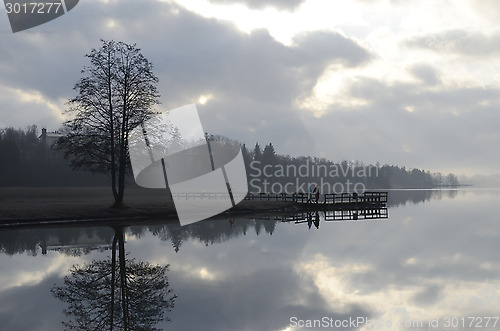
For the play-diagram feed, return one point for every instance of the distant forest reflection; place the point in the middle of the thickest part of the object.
(402, 197)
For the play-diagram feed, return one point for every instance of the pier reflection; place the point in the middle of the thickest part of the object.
(77, 241)
(315, 217)
(338, 215)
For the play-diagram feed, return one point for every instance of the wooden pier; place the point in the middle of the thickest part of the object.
(338, 199)
(349, 198)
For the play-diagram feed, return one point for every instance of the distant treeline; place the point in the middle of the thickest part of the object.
(268, 171)
(26, 161)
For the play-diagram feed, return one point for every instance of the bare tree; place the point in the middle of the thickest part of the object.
(115, 94)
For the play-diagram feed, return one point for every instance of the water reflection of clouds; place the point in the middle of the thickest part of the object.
(263, 299)
(428, 260)
(25, 282)
(419, 299)
(441, 263)
(31, 307)
(245, 284)
(32, 270)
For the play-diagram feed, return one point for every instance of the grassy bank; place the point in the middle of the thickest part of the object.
(24, 204)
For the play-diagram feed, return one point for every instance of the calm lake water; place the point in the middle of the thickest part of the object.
(433, 264)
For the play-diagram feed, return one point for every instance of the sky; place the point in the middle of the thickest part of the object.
(411, 83)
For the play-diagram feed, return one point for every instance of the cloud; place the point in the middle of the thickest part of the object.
(447, 122)
(426, 73)
(23, 107)
(325, 46)
(459, 42)
(395, 104)
(289, 5)
(489, 9)
(253, 79)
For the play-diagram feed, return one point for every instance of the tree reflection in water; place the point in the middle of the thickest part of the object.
(116, 295)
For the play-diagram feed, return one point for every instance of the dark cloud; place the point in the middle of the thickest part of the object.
(446, 124)
(256, 82)
(460, 42)
(257, 4)
(254, 79)
(425, 73)
(324, 46)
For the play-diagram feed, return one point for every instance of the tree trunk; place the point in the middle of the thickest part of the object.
(113, 279)
(112, 134)
(123, 144)
(123, 278)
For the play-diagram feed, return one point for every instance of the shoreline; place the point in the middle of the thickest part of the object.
(29, 206)
(43, 206)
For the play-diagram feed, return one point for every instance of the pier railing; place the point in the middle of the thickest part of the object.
(295, 197)
(333, 198)
(337, 215)
(366, 197)
(359, 214)
(205, 195)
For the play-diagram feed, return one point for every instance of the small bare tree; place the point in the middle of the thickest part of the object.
(115, 94)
